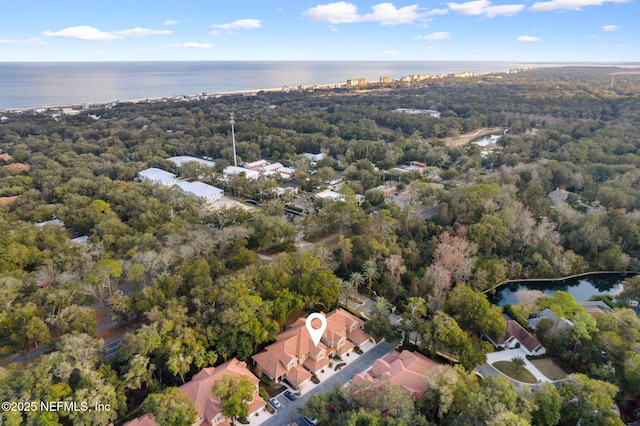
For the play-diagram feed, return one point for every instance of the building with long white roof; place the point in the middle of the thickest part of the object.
(207, 192)
(183, 159)
(233, 170)
(157, 176)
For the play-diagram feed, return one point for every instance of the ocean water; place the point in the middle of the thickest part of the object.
(25, 85)
(45, 84)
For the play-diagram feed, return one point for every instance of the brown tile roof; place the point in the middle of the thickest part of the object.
(358, 336)
(19, 166)
(294, 343)
(198, 389)
(516, 331)
(146, 420)
(8, 200)
(406, 369)
(6, 157)
(298, 374)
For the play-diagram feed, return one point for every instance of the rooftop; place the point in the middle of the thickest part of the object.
(406, 369)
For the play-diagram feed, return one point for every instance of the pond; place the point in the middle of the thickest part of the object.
(581, 288)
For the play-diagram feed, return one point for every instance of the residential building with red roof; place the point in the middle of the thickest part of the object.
(406, 369)
(18, 166)
(8, 200)
(146, 420)
(208, 407)
(294, 357)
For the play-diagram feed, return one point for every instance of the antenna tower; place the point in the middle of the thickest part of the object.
(233, 136)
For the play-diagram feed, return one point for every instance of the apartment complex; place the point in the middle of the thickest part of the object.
(293, 358)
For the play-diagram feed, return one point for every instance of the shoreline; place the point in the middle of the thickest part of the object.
(568, 277)
(432, 69)
(168, 98)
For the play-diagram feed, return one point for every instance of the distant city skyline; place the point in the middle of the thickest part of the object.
(142, 30)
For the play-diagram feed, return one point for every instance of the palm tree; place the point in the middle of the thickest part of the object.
(518, 362)
(345, 288)
(356, 279)
(370, 272)
(381, 308)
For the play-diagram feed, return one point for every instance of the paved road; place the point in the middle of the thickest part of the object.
(288, 412)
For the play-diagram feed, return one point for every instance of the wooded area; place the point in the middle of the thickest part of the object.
(202, 294)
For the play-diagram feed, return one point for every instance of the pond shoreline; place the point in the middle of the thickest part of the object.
(556, 280)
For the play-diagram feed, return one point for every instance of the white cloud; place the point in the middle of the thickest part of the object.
(191, 45)
(33, 40)
(569, 4)
(484, 7)
(528, 38)
(390, 52)
(434, 12)
(388, 14)
(334, 13)
(439, 35)
(476, 7)
(504, 10)
(611, 27)
(239, 24)
(85, 32)
(347, 13)
(141, 32)
(171, 22)
(82, 32)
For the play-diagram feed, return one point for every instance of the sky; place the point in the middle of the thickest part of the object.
(160, 30)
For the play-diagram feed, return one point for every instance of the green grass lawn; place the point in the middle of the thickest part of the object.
(549, 368)
(509, 369)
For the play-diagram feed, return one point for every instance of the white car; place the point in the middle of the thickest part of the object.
(275, 403)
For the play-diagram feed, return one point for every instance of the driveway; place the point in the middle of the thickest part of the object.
(288, 412)
(488, 370)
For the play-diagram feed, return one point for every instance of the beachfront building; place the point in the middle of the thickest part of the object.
(356, 81)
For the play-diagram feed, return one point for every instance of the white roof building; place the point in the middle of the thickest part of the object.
(314, 157)
(182, 159)
(256, 164)
(202, 190)
(286, 172)
(271, 167)
(157, 176)
(233, 170)
(330, 195)
(50, 222)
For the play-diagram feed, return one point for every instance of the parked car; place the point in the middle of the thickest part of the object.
(275, 403)
(310, 422)
(290, 395)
